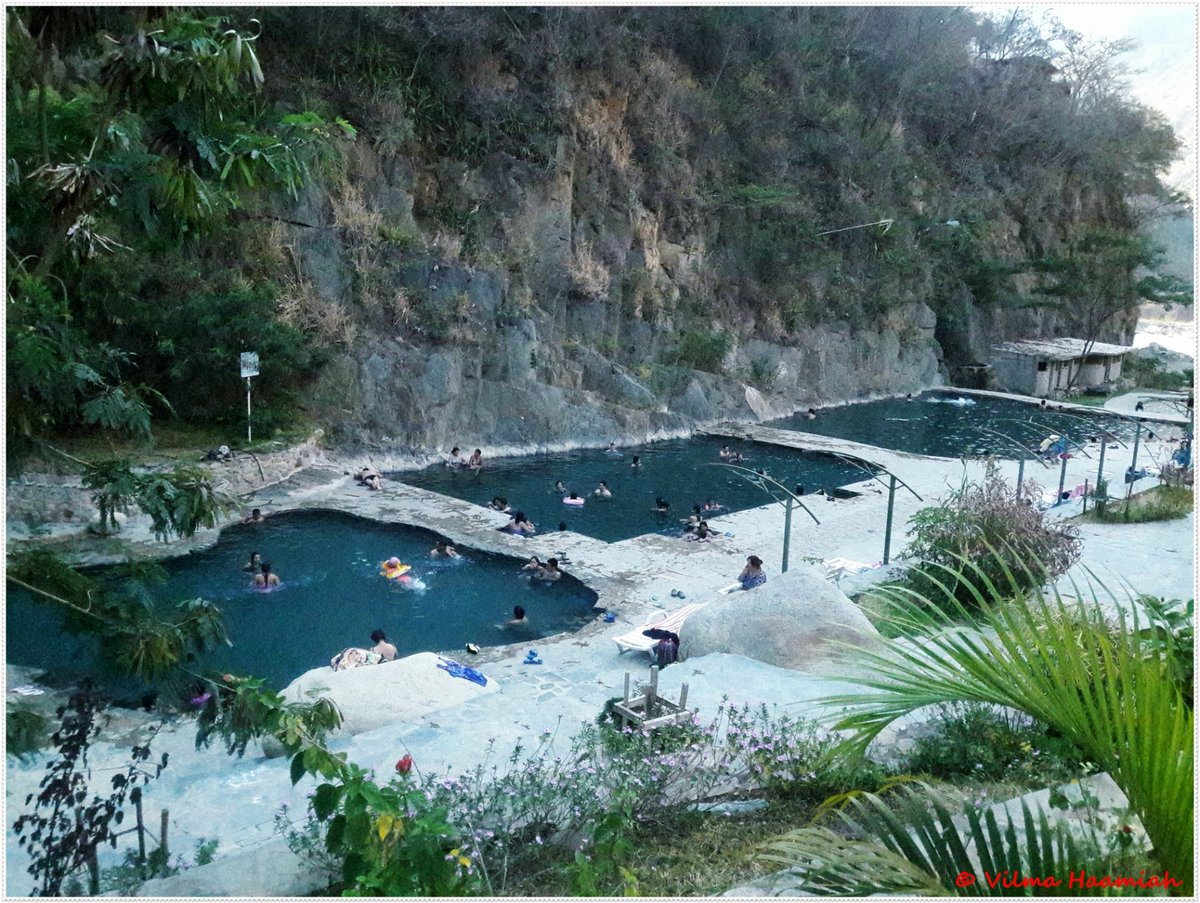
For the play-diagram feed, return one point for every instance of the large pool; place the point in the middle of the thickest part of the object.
(678, 471)
(331, 596)
(951, 426)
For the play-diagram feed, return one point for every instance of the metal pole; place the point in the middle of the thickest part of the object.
(887, 529)
(1062, 479)
(787, 533)
(249, 438)
(1020, 475)
(1137, 436)
(1100, 469)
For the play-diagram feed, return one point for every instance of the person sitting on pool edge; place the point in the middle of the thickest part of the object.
(602, 491)
(549, 571)
(382, 646)
(444, 549)
(519, 620)
(266, 578)
(752, 574)
(255, 562)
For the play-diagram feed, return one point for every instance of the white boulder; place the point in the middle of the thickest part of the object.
(797, 620)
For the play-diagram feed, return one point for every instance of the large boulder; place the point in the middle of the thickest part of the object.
(797, 620)
(375, 695)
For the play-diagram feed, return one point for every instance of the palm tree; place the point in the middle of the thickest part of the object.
(1069, 663)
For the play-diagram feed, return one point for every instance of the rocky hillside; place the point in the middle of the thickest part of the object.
(561, 225)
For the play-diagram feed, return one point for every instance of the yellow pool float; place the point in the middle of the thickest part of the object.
(393, 569)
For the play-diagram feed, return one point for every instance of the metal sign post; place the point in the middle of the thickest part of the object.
(249, 368)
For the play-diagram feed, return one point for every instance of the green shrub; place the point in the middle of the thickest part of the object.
(1158, 503)
(1171, 636)
(24, 732)
(984, 533)
(983, 743)
(1149, 374)
(703, 349)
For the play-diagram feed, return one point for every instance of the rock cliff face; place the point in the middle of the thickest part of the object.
(560, 226)
(480, 356)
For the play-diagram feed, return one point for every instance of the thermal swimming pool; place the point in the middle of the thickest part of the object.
(332, 596)
(680, 471)
(951, 426)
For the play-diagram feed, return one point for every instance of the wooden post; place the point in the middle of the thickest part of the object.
(141, 833)
(626, 686)
(93, 865)
(683, 697)
(652, 693)
(162, 840)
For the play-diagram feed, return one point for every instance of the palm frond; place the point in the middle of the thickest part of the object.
(1068, 665)
(920, 847)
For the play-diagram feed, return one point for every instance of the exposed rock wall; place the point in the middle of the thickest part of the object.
(566, 346)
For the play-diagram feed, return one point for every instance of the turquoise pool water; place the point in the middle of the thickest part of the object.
(332, 596)
(933, 424)
(679, 471)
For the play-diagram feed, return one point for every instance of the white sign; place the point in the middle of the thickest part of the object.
(249, 364)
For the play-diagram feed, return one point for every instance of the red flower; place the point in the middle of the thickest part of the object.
(404, 766)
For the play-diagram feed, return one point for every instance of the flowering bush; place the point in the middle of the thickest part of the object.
(483, 830)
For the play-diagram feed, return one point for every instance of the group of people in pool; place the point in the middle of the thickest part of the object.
(264, 577)
(455, 459)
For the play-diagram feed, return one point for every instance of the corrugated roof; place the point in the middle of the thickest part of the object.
(1063, 349)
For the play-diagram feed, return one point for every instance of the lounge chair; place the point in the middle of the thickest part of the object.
(662, 620)
(837, 568)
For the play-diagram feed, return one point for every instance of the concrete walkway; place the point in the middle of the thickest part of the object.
(211, 795)
(1166, 407)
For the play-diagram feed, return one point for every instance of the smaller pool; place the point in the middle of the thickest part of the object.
(950, 426)
(678, 470)
(332, 596)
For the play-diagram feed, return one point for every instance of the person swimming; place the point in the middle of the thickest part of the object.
(612, 449)
(661, 505)
(636, 462)
(602, 491)
(519, 525)
(549, 572)
(254, 564)
(559, 486)
(265, 579)
(444, 549)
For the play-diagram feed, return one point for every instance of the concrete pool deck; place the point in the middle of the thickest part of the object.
(236, 800)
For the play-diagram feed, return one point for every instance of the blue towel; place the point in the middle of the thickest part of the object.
(458, 669)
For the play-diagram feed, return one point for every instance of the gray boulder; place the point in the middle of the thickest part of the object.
(1164, 359)
(797, 620)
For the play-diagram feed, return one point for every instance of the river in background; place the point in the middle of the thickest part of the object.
(1174, 336)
